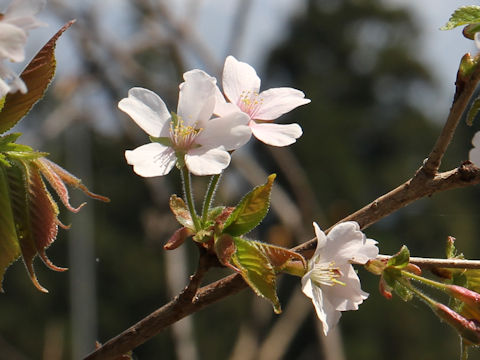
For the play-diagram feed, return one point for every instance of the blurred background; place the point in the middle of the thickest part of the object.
(381, 78)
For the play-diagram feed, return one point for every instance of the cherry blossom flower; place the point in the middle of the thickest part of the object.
(474, 154)
(241, 87)
(18, 18)
(189, 137)
(331, 282)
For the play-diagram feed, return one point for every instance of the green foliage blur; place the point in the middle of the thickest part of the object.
(363, 136)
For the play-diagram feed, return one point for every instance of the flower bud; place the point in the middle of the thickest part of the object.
(469, 330)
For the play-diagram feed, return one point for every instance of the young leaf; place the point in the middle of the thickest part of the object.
(28, 213)
(180, 210)
(251, 210)
(9, 245)
(464, 15)
(278, 257)
(256, 270)
(37, 76)
(400, 259)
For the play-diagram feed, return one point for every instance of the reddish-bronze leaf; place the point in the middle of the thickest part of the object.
(37, 76)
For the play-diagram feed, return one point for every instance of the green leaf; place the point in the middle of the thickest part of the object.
(9, 245)
(256, 270)
(400, 259)
(473, 111)
(470, 30)
(37, 76)
(464, 15)
(251, 210)
(180, 210)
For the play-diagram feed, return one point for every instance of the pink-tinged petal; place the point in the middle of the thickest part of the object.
(278, 101)
(223, 108)
(202, 161)
(147, 110)
(12, 42)
(196, 100)
(152, 159)
(230, 132)
(276, 134)
(474, 154)
(239, 78)
(21, 13)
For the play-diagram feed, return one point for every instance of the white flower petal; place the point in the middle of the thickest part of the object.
(477, 39)
(474, 154)
(276, 134)
(230, 132)
(278, 101)
(11, 82)
(203, 161)
(147, 110)
(337, 286)
(12, 42)
(223, 108)
(346, 243)
(152, 159)
(196, 100)
(349, 296)
(238, 78)
(321, 241)
(21, 13)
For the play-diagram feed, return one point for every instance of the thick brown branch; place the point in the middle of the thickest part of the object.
(418, 187)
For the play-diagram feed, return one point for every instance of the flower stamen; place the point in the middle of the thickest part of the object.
(326, 274)
(183, 136)
(249, 102)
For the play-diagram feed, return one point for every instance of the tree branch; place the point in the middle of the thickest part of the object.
(183, 305)
(465, 88)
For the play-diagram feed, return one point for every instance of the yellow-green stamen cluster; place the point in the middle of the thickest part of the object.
(326, 275)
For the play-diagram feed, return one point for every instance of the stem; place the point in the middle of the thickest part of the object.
(429, 263)
(212, 187)
(189, 197)
(432, 283)
(417, 292)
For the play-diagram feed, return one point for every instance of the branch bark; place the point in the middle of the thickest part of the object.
(425, 182)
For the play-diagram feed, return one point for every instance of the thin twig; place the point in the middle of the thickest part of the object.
(465, 88)
(430, 263)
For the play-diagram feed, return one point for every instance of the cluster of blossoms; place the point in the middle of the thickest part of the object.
(15, 22)
(207, 126)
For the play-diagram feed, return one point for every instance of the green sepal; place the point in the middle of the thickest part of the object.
(451, 251)
(166, 141)
(256, 269)
(391, 276)
(251, 210)
(400, 260)
(464, 15)
(473, 111)
(180, 210)
(37, 76)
